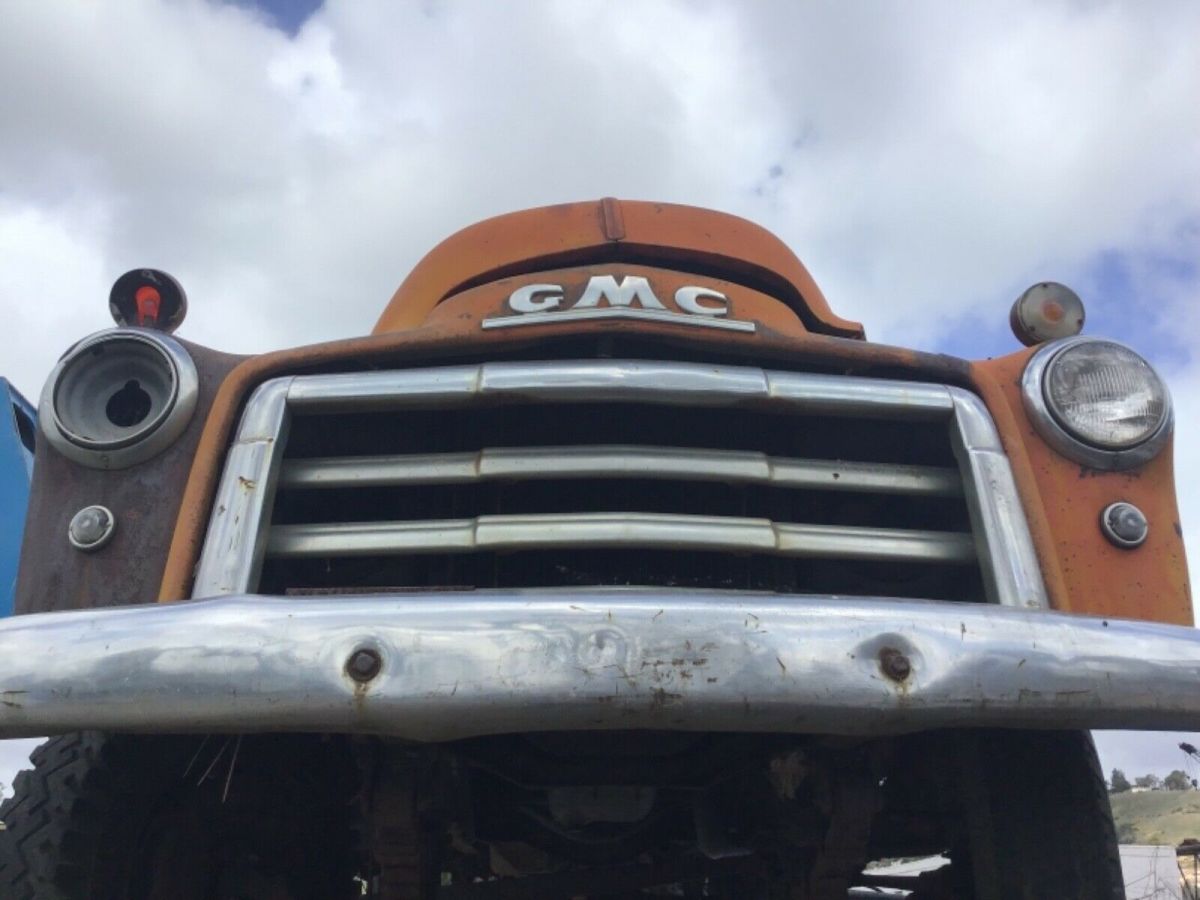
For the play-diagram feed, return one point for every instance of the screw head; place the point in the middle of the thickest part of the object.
(1124, 525)
(895, 665)
(364, 664)
(91, 528)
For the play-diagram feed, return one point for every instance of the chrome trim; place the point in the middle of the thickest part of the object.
(602, 530)
(1036, 406)
(1005, 545)
(1002, 536)
(150, 440)
(236, 539)
(459, 665)
(617, 312)
(617, 461)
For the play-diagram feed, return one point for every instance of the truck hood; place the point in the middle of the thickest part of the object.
(682, 238)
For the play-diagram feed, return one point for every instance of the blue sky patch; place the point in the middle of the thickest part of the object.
(288, 16)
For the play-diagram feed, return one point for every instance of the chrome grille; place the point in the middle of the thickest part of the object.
(618, 473)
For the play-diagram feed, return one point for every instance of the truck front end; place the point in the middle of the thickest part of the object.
(611, 563)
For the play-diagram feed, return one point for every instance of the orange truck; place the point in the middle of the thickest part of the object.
(611, 564)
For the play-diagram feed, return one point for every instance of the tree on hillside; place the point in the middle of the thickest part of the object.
(1177, 781)
(1119, 783)
(1153, 782)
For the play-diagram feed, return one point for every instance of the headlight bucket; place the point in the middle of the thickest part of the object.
(1097, 402)
(119, 397)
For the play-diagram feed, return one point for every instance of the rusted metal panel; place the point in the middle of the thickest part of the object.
(1063, 500)
(144, 500)
(613, 231)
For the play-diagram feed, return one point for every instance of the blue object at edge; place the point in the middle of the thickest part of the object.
(18, 425)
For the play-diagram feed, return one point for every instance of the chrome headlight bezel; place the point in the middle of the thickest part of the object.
(1070, 445)
(151, 436)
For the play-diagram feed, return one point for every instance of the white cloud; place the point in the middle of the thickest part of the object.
(14, 756)
(928, 161)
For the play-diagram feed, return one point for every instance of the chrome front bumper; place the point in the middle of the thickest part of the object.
(462, 665)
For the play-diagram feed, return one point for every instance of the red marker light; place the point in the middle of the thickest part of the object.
(147, 298)
(148, 301)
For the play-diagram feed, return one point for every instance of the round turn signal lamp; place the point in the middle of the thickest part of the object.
(1046, 312)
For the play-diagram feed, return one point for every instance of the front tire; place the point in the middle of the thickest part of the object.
(1039, 821)
(104, 817)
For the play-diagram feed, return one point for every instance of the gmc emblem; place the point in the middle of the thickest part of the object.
(606, 298)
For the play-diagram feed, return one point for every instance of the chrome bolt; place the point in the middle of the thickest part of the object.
(895, 665)
(364, 664)
(1124, 525)
(91, 528)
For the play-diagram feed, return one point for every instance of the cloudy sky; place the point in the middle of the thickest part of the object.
(290, 161)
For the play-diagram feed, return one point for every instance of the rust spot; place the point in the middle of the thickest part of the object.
(787, 773)
(660, 698)
(894, 664)
(613, 222)
(360, 697)
(247, 484)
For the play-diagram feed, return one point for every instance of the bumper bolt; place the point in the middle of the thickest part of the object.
(1124, 525)
(91, 528)
(364, 664)
(895, 665)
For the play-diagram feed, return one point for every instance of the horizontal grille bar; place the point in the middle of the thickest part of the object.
(605, 530)
(681, 464)
(666, 383)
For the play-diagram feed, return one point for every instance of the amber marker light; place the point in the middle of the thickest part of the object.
(1046, 312)
(148, 298)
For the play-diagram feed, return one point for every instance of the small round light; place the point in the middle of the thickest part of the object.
(118, 398)
(1124, 525)
(91, 528)
(1047, 311)
(1098, 402)
(148, 298)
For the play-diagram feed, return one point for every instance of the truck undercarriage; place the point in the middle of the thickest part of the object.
(564, 815)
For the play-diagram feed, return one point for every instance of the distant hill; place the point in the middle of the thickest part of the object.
(1156, 817)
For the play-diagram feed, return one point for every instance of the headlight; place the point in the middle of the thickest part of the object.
(1097, 402)
(118, 398)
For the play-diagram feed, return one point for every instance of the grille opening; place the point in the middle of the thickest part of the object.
(557, 568)
(698, 498)
(356, 441)
(577, 424)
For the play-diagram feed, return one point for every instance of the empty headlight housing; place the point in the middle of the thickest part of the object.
(1097, 402)
(118, 398)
